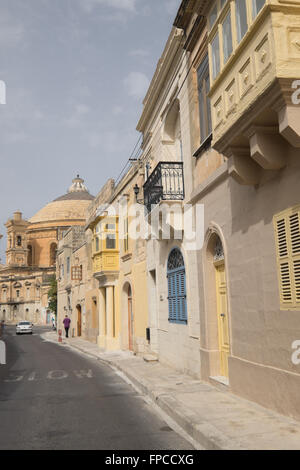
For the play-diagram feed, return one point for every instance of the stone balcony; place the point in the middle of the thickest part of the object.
(255, 110)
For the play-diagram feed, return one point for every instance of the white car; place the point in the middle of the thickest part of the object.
(24, 327)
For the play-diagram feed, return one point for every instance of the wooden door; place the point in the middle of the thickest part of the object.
(79, 321)
(223, 323)
(130, 320)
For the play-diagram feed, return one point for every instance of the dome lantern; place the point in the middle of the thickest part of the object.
(77, 185)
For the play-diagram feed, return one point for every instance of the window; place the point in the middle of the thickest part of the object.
(110, 242)
(29, 256)
(213, 16)
(204, 102)
(257, 6)
(227, 37)
(18, 293)
(287, 234)
(53, 249)
(215, 48)
(176, 287)
(27, 293)
(19, 240)
(241, 19)
(126, 237)
(97, 244)
(224, 35)
(76, 273)
(68, 265)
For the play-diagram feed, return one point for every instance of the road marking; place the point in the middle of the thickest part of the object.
(34, 376)
(16, 378)
(80, 374)
(57, 375)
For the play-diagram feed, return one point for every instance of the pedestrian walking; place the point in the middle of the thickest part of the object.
(2, 324)
(66, 323)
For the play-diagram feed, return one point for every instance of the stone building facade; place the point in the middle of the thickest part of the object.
(228, 94)
(31, 255)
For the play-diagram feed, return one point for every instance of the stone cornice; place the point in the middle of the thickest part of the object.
(162, 69)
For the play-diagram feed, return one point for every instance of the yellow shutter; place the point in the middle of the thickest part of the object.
(287, 232)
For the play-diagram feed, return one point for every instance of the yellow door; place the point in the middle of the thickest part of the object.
(223, 324)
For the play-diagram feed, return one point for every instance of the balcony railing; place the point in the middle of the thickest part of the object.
(166, 183)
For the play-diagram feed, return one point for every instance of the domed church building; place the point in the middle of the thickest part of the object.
(31, 255)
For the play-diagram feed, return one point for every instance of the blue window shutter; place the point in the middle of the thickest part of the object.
(177, 296)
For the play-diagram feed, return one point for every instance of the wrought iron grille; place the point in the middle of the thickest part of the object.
(165, 183)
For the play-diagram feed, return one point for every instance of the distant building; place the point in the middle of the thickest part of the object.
(31, 255)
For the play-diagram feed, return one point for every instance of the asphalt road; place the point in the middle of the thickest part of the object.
(53, 398)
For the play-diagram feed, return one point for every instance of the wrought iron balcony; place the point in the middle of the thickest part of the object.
(166, 183)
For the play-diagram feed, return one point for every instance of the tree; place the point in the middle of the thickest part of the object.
(52, 295)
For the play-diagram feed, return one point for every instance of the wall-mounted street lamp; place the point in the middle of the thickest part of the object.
(136, 190)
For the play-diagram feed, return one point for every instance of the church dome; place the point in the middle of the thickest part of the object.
(70, 206)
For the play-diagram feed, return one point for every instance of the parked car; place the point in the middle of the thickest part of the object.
(24, 327)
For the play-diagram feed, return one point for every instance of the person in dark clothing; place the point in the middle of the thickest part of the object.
(66, 323)
(2, 324)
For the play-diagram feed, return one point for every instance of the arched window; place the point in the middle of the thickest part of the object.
(176, 287)
(218, 251)
(29, 256)
(53, 249)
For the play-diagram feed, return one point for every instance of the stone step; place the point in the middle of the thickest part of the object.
(150, 358)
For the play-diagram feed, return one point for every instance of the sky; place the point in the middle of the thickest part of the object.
(76, 73)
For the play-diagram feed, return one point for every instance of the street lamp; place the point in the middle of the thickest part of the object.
(136, 190)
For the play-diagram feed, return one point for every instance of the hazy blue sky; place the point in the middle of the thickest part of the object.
(76, 73)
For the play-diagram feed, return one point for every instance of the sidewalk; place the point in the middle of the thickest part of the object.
(213, 418)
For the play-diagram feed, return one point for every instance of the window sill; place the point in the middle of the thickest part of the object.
(206, 144)
(178, 322)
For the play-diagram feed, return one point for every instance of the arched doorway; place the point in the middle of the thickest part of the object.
(79, 320)
(221, 305)
(130, 319)
(177, 287)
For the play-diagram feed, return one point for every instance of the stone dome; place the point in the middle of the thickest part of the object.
(70, 206)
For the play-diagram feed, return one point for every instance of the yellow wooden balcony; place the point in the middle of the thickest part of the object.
(106, 261)
(254, 54)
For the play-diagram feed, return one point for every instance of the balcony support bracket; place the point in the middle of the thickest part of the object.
(289, 124)
(241, 166)
(267, 147)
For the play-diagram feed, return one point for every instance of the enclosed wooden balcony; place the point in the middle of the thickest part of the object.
(106, 262)
(106, 247)
(254, 53)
